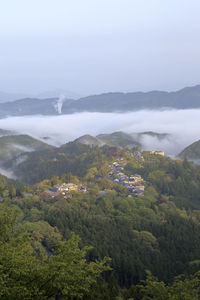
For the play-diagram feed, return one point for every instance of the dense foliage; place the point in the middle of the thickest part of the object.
(191, 152)
(159, 231)
(65, 274)
(72, 157)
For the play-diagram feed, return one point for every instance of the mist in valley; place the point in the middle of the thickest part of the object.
(182, 127)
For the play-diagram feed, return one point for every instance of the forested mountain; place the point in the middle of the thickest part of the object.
(116, 139)
(90, 140)
(4, 132)
(119, 102)
(32, 160)
(14, 149)
(159, 231)
(192, 152)
(111, 102)
(121, 139)
(11, 146)
(71, 157)
(28, 106)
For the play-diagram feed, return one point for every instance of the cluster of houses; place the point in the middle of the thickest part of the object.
(138, 156)
(153, 152)
(134, 183)
(65, 189)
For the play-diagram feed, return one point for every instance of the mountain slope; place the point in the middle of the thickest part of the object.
(28, 106)
(72, 158)
(121, 139)
(89, 140)
(4, 132)
(111, 102)
(192, 152)
(121, 102)
(13, 145)
(116, 139)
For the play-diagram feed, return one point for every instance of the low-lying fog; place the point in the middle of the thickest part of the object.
(183, 125)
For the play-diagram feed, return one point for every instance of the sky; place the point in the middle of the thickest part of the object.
(96, 46)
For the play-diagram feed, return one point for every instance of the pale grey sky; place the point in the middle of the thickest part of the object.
(94, 46)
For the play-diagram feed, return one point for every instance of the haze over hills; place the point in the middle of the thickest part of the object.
(6, 97)
(22, 154)
(117, 139)
(4, 132)
(182, 125)
(192, 152)
(186, 98)
(100, 192)
(56, 94)
(120, 139)
(13, 146)
(151, 224)
(10, 97)
(19, 154)
(183, 99)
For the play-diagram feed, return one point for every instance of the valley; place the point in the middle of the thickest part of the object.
(99, 150)
(131, 205)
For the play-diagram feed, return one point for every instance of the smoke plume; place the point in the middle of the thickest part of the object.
(59, 103)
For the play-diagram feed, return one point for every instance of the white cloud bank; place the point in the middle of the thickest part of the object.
(184, 125)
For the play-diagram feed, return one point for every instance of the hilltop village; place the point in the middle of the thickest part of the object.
(133, 183)
(65, 189)
(115, 172)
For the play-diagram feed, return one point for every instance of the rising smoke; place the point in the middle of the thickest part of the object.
(59, 103)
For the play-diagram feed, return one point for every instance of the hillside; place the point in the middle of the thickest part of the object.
(116, 139)
(158, 230)
(72, 158)
(121, 139)
(28, 106)
(12, 146)
(88, 140)
(192, 152)
(42, 161)
(185, 98)
(111, 102)
(4, 132)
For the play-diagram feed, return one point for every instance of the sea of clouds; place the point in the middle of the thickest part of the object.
(182, 125)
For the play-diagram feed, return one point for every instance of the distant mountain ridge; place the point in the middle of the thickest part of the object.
(6, 97)
(120, 139)
(187, 98)
(58, 92)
